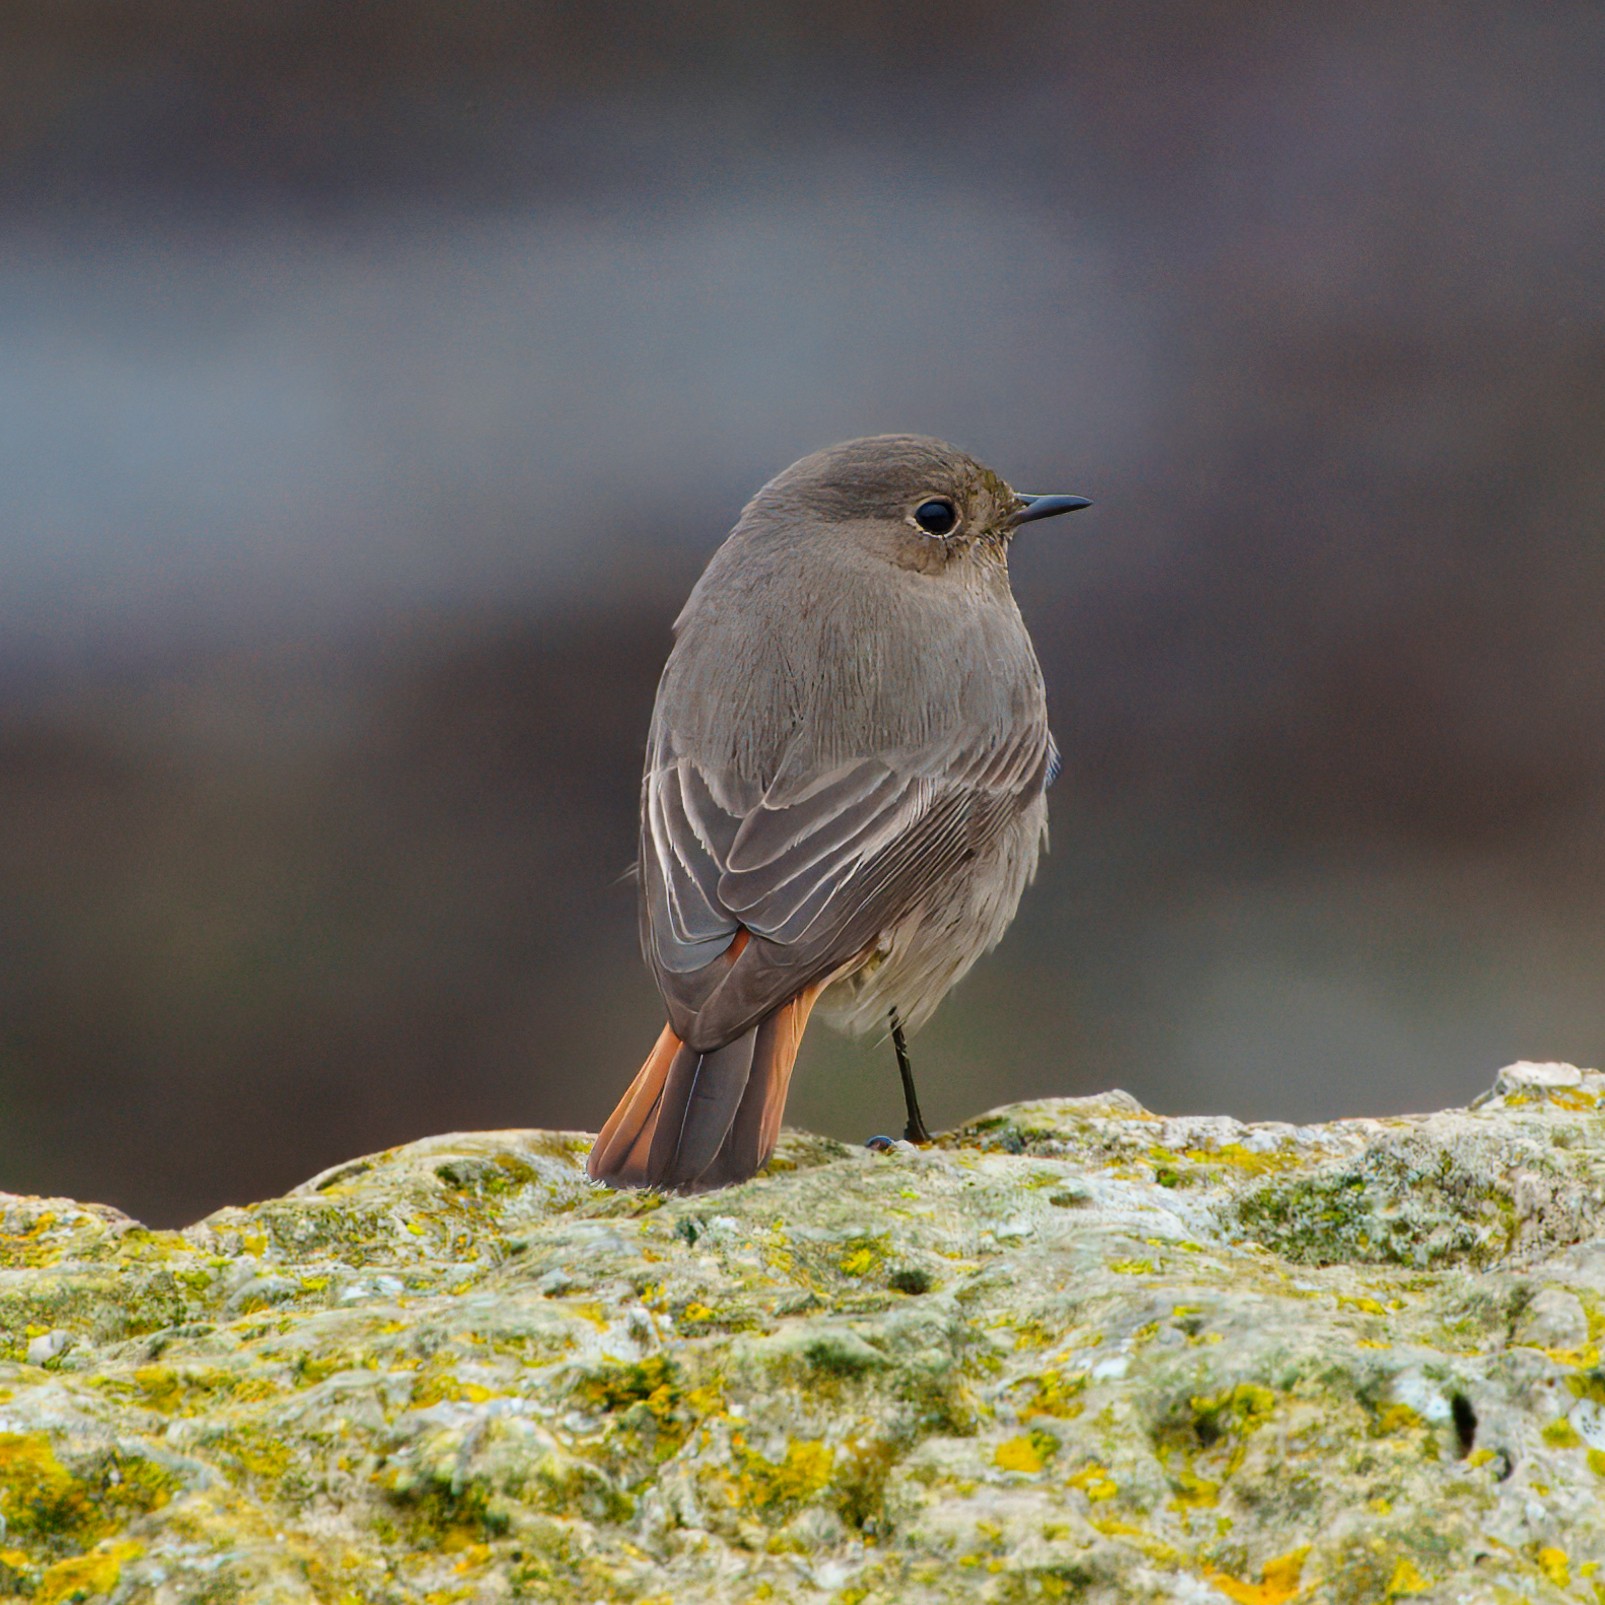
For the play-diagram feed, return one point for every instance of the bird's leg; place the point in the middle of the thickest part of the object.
(915, 1130)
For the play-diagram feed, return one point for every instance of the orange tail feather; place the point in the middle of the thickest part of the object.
(625, 1140)
(691, 1121)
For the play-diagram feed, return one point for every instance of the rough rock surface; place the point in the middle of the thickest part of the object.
(1075, 1351)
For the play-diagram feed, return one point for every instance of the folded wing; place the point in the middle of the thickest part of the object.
(815, 867)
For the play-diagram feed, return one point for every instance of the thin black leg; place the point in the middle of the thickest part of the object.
(915, 1130)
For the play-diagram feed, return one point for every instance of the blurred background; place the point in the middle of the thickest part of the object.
(376, 376)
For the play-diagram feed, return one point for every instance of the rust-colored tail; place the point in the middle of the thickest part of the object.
(692, 1121)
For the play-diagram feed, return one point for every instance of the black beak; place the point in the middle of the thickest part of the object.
(1045, 507)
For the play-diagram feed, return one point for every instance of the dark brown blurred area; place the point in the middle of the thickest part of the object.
(375, 379)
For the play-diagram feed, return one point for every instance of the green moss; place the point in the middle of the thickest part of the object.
(909, 1279)
(92, 1575)
(486, 1177)
(1388, 1208)
(937, 1399)
(859, 1483)
(545, 1562)
(1209, 1417)
(841, 1355)
(649, 1402)
(654, 1381)
(443, 1507)
(567, 1485)
(466, 1485)
(1049, 1584)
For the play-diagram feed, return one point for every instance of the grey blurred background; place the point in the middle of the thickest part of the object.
(376, 377)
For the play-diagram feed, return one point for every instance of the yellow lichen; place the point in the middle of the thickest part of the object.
(444, 1386)
(1279, 1581)
(1154, 1548)
(1095, 1482)
(1193, 1492)
(1055, 1395)
(862, 1255)
(1249, 1161)
(1591, 1387)
(98, 1572)
(1017, 1454)
(1395, 1418)
(1034, 1335)
(1555, 1564)
(1406, 1579)
(37, 1492)
(800, 1475)
(1580, 1359)
(1367, 1306)
(1244, 1407)
(257, 1454)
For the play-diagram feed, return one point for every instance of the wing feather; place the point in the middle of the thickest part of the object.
(777, 845)
(688, 926)
(815, 871)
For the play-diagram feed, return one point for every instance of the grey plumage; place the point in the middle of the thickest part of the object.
(847, 762)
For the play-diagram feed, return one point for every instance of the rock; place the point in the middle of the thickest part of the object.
(1075, 1351)
(47, 1345)
(1555, 1319)
(1525, 1082)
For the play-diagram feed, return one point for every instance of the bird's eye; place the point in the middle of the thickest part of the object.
(936, 517)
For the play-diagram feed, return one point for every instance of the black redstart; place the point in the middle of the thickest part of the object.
(844, 790)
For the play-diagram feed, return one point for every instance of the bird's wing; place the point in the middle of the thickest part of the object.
(814, 868)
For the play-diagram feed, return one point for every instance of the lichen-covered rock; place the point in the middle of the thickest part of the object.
(1075, 1351)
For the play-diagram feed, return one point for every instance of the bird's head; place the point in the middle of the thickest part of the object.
(921, 503)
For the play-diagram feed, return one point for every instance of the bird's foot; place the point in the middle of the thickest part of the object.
(882, 1144)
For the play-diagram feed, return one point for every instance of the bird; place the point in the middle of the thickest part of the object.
(844, 790)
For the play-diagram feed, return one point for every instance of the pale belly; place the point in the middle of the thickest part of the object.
(932, 947)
